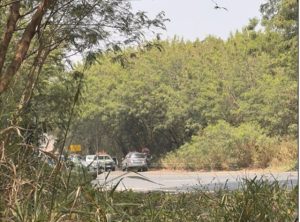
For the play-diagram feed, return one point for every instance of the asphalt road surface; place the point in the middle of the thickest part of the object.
(182, 181)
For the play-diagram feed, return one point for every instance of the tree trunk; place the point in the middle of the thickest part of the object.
(23, 45)
(10, 28)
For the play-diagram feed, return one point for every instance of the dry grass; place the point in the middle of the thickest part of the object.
(33, 191)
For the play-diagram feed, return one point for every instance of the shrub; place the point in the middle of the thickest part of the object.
(286, 154)
(223, 146)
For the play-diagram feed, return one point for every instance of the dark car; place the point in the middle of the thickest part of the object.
(135, 160)
(115, 159)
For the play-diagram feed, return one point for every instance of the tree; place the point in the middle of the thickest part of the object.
(35, 30)
(39, 27)
(161, 98)
(281, 17)
(38, 92)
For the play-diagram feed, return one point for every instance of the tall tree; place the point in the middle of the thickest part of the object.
(75, 25)
(281, 17)
(35, 29)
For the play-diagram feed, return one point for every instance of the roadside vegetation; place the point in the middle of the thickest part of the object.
(210, 104)
(224, 147)
(72, 198)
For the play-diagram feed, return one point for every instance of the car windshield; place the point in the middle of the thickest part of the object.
(99, 157)
(137, 155)
(89, 158)
(102, 158)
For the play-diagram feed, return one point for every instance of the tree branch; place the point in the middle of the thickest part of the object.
(10, 28)
(23, 45)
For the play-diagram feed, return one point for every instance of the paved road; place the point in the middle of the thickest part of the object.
(180, 181)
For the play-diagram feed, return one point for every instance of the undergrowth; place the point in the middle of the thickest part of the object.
(42, 193)
(224, 147)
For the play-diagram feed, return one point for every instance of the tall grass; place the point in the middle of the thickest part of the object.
(27, 195)
(257, 200)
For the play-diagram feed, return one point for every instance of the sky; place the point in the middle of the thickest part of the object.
(196, 19)
(192, 19)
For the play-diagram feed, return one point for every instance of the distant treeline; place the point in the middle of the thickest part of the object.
(205, 104)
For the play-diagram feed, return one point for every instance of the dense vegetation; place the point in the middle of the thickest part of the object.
(40, 90)
(211, 104)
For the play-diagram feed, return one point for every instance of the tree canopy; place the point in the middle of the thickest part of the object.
(37, 39)
(163, 97)
(204, 104)
(142, 96)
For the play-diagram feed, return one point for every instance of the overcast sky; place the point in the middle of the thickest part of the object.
(193, 19)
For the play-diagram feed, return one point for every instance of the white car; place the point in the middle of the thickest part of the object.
(101, 161)
(88, 160)
(104, 162)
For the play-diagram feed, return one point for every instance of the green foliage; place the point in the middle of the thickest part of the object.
(281, 16)
(273, 103)
(49, 108)
(210, 104)
(42, 35)
(222, 146)
(160, 99)
(258, 200)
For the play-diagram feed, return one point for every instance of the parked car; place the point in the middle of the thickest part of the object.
(135, 160)
(88, 160)
(103, 162)
(116, 161)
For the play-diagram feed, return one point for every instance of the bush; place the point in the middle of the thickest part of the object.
(223, 146)
(286, 155)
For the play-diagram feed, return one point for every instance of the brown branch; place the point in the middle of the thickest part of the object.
(23, 45)
(50, 46)
(27, 92)
(29, 85)
(33, 79)
(16, 128)
(34, 73)
(29, 12)
(10, 28)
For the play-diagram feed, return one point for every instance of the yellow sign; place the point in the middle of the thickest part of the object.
(75, 148)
